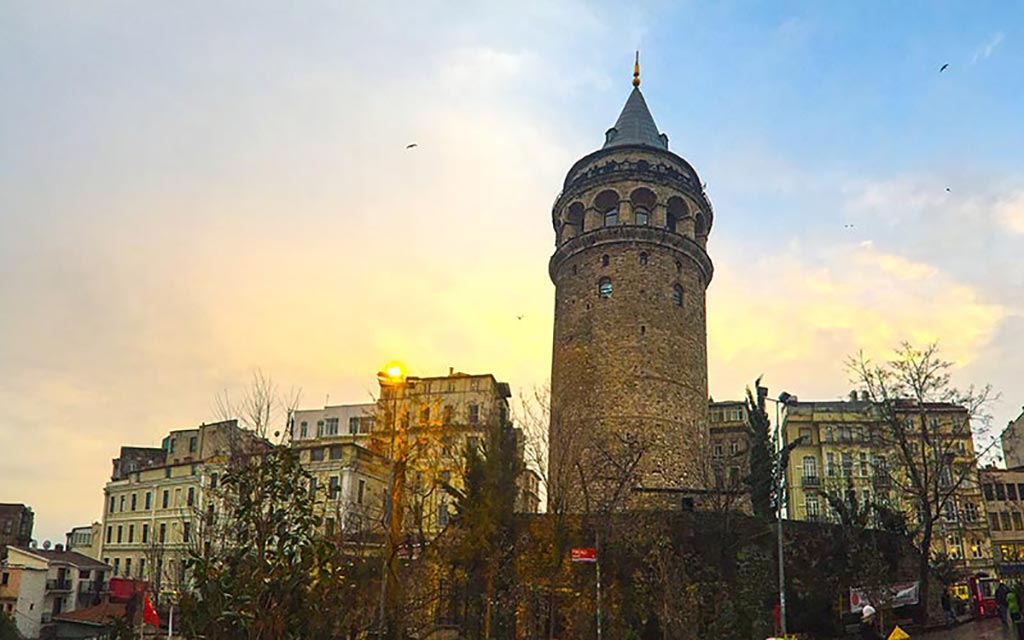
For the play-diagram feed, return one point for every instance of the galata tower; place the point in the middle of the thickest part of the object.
(629, 396)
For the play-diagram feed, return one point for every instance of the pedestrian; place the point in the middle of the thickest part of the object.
(1001, 592)
(1012, 607)
(869, 624)
(947, 606)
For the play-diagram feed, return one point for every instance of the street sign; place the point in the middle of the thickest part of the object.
(583, 554)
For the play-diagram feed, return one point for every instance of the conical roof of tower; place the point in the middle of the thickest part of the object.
(635, 126)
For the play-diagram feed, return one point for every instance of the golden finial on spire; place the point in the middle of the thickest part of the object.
(636, 70)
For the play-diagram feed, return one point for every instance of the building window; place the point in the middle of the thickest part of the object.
(113, 504)
(812, 508)
(361, 492)
(604, 288)
(1011, 491)
(734, 447)
(121, 503)
(110, 534)
(975, 549)
(142, 568)
(303, 429)
(167, 472)
(145, 533)
(970, 512)
(670, 222)
(131, 533)
(677, 295)
(989, 493)
(186, 531)
(604, 260)
(810, 467)
(1000, 492)
(332, 426)
(642, 216)
(337, 452)
(5, 578)
(120, 531)
(847, 462)
(953, 547)
(165, 501)
(611, 216)
(474, 413)
(192, 442)
(1004, 520)
(128, 567)
(1018, 524)
(949, 511)
(830, 464)
(319, 428)
(993, 521)
(316, 455)
(334, 488)
(442, 514)
(863, 464)
(717, 451)
(643, 257)
(213, 481)
(117, 566)
(353, 426)
(163, 532)
(191, 499)
(149, 500)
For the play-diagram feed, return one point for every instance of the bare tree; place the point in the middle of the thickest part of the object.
(928, 426)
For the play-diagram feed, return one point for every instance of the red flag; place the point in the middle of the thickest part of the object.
(149, 613)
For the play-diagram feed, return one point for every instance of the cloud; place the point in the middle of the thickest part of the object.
(805, 314)
(1010, 211)
(985, 51)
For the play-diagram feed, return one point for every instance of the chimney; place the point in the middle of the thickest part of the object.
(451, 371)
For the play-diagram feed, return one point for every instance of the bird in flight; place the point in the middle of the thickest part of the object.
(410, 146)
(943, 67)
(847, 226)
(519, 317)
(947, 189)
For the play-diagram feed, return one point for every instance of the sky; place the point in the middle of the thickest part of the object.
(190, 191)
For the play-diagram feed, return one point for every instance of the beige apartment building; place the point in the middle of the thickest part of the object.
(153, 498)
(424, 425)
(1004, 498)
(841, 452)
(38, 584)
(1012, 441)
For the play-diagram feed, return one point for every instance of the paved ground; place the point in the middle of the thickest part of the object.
(989, 629)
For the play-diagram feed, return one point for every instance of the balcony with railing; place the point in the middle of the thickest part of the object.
(880, 481)
(58, 585)
(810, 482)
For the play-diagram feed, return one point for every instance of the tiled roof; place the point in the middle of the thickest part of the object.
(635, 125)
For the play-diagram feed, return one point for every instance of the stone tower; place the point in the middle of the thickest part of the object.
(629, 396)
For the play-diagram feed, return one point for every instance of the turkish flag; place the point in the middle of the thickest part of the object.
(149, 613)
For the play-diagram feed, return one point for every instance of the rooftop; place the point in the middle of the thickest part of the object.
(67, 557)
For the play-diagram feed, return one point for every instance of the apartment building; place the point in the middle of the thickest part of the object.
(15, 526)
(38, 584)
(842, 454)
(1004, 500)
(154, 498)
(1012, 442)
(85, 540)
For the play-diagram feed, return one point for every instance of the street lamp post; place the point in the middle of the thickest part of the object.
(393, 377)
(784, 398)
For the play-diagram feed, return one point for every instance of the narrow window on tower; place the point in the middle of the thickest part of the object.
(604, 260)
(643, 258)
(604, 288)
(642, 217)
(670, 222)
(611, 216)
(677, 295)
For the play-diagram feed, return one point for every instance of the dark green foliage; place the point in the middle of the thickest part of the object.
(8, 630)
(267, 572)
(767, 466)
(481, 558)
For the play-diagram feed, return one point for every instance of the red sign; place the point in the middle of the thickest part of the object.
(583, 554)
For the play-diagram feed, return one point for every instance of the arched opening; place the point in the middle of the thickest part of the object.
(677, 295)
(676, 210)
(699, 226)
(643, 257)
(574, 215)
(604, 288)
(679, 267)
(643, 200)
(604, 260)
(607, 203)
